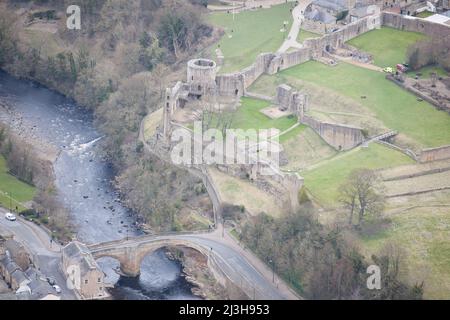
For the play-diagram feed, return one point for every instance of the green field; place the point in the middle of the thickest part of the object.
(423, 234)
(304, 35)
(10, 185)
(387, 45)
(248, 116)
(324, 180)
(396, 108)
(252, 33)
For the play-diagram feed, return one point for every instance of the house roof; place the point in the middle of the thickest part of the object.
(75, 248)
(5, 260)
(337, 5)
(446, 13)
(19, 276)
(78, 251)
(322, 16)
(13, 246)
(360, 11)
(12, 266)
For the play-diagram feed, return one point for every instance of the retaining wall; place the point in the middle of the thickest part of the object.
(433, 154)
(340, 137)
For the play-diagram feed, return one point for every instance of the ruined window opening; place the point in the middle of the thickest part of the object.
(236, 92)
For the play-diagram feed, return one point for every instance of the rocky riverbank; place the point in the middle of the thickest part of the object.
(197, 273)
(24, 131)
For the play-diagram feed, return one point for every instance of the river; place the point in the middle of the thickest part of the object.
(83, 181)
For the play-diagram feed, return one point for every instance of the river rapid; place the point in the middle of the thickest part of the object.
(83, 181)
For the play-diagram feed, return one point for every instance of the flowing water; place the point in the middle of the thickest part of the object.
(83, 181)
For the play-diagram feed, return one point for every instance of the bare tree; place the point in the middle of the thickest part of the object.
(361, 193)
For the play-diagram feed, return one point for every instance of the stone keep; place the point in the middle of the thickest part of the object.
(201, 77)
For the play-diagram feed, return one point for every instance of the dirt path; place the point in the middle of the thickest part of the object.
(350, 60)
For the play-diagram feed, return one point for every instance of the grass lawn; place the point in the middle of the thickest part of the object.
(305, 148)
(248, 116)
(396, 108)
(387, 45)
(423, 235)
(304, 35)
(292, 133)
(252, 33)
(324, 180)
(21, 192)
(425, 14)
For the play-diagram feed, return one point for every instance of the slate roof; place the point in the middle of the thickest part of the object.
(19, 276)
(336, 5)
(321, 16)
(79, 251)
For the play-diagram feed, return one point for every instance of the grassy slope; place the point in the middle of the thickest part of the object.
(241, 192)
(21, 192)
(423, 234)
(324, 180)
(387, 45)
(152, 121)
(398, 109)
(304, 35)
(254, 32)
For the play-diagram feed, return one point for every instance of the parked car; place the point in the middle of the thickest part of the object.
(57, 288)
(9, 216)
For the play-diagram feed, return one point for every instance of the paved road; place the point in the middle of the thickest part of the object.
(298, 17)
(46, 256)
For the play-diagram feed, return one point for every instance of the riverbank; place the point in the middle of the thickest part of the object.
(195, 270)
(41, 157)
(23, 131)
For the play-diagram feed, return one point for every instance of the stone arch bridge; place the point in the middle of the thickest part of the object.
(130, 252)
(231, 266)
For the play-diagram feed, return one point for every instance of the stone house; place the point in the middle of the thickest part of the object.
(81, 268)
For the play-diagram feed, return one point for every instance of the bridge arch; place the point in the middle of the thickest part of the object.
(130, 254)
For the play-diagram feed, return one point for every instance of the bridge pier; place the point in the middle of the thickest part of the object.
(130, 264)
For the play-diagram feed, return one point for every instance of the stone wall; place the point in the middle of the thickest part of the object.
(433, 154)
(408, 23)
(230, 85)
(318, 26)
(340, 137)
(258, 68)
